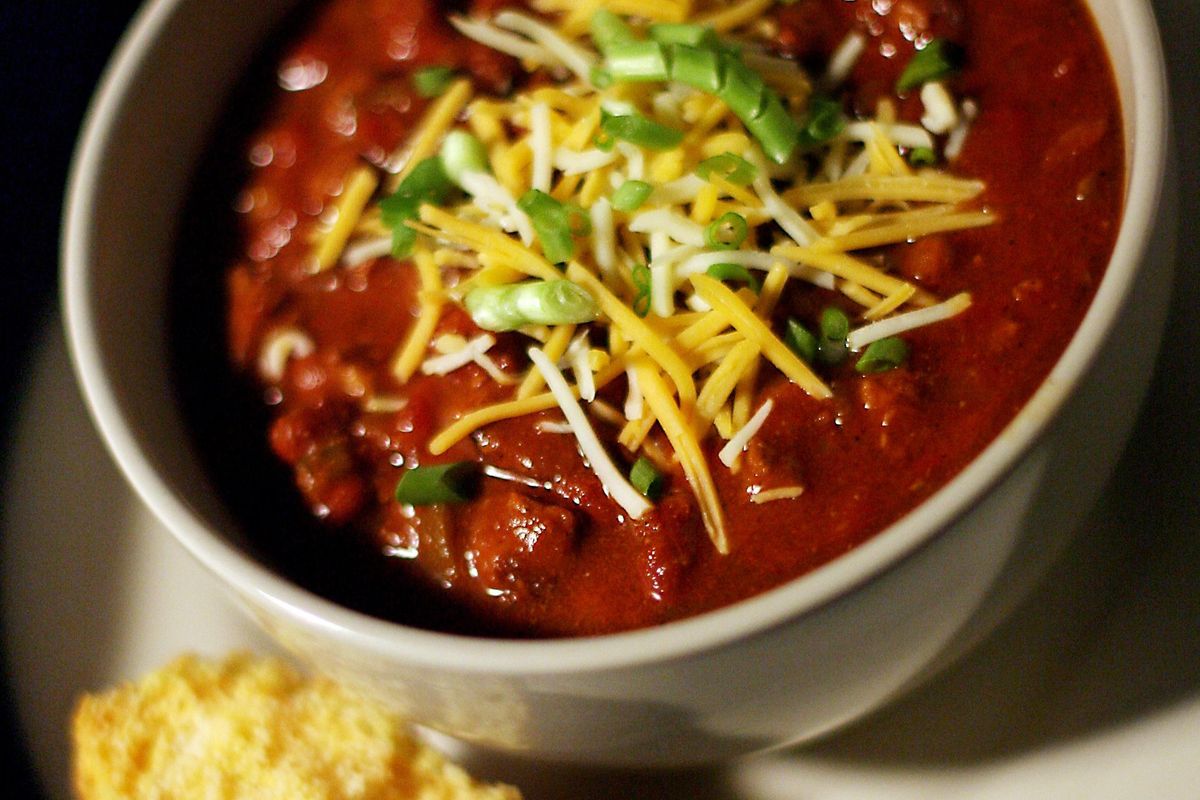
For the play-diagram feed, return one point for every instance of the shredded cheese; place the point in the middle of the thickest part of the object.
(614, 482)
(430, 298)
(693, 349)
(691, 457)
(636, 330)
(434, 124)
(737, 443)
(861, 337)
(772, 495)
(466, 353)
(357, 189)
(279, 347)
(753, 328)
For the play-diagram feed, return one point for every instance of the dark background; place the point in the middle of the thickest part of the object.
(51, 56)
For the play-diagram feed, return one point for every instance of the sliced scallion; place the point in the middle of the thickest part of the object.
(641, 282)
(433, 81)
(630, 195)
(735, 272)
(426, 183)
(600, 77)
(743, 90)
(461, 153)
(935, 61)
(511, 306)
(834, 328)
(775, 129)
(608, 29)
(553, 221)
(640, 130)
(442, 483)
(882, 355)
(823, 121)
(922, 156)
(646, 478)
(698, 67)
(687, 33)
(727, 232)
(637, 61)
(729, 166)
(801, 340)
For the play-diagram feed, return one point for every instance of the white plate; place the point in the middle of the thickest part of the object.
(1092, 690)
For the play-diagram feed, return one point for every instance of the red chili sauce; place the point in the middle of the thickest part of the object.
(558, 562)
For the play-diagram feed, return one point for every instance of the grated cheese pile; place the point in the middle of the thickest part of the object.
(690, 346)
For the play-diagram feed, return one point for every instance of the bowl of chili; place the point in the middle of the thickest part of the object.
(744, 598)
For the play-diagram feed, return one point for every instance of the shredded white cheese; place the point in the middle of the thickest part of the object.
(578, 357)
(447, 362)
(604, 236)
(901, 133)
(488, 34)
(579, 162)
(550, 426)
(364, 250)
(842, 62)
(635, 159)
(542, 145)
(574, 57)
(940, 115)
(635, 405)
(672, 223)
(958, 136)
(891, 326)
(494, 200)
(737, 443)
(613, 480)
(279, 347)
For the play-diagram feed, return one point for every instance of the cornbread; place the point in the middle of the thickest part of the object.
(252, 727)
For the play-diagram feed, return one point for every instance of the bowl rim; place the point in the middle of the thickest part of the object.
(257, 583)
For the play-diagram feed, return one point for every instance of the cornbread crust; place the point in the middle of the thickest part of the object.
(252, 727)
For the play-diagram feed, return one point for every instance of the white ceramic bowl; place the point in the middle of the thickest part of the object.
(788, 665)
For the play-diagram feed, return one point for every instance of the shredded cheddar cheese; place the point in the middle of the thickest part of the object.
(686, 277)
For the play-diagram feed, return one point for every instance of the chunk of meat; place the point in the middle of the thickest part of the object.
(517, 545)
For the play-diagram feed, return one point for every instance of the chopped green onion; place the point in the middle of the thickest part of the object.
(433, 81)
(937, 60)
(511, 306)
(727, 232)
(922, 156)
(444, 483)
(775, 129)
(637, 61)
(427, 183)
(608, 29)
(735, 272)
(685, 33)
(697, 67)
(834, 328)
(641, 131)
(729, 166)
(823, 121)
(641, 281)
(554, 222)
(600, 77)
(631, 195)
(462, 153)
(882, 355)
(801, 340)
(646, 478)
(743, 90)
